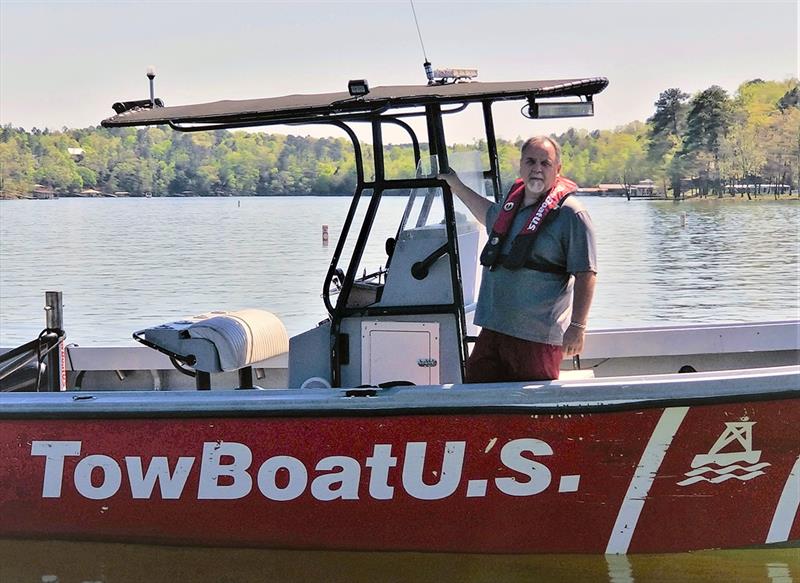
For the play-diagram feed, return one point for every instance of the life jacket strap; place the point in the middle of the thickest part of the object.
(523, 242)
(502, 261)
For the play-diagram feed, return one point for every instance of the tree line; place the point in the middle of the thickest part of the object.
(708, 143)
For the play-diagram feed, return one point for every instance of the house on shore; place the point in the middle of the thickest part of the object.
(76, 153)
(42, 192)
(611, 189)
(758, 189)
(90, 193)
(644, 189)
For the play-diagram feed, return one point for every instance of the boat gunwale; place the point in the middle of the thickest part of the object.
(546, 398)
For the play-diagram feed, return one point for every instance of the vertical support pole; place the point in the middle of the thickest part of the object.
(438, 142)
(491, 143)
(54, 322)
(378, 187)
(436, 145)
(336, 313)
(377, 151)
(437, 148)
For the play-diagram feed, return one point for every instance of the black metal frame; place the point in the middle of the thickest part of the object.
(342, 116)
(437, 146)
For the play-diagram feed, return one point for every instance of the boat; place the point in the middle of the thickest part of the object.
(360, 434)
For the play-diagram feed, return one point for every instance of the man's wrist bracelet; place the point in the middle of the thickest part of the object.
(578, 325)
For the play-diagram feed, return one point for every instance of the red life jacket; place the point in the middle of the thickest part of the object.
(523, 242)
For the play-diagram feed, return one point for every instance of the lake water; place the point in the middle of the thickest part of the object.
(126, 264)
(69, 562)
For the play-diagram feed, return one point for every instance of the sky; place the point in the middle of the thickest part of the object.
(65, 63)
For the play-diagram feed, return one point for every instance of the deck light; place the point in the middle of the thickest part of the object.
(358, 87)
(151, 74)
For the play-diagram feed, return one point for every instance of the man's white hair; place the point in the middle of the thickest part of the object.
(538, 141)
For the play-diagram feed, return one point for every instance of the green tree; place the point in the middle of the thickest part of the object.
(666, 126)
(55, 167)
(790, 99)
(707, 123)
(669, 118)
(754, 136)
(17, 163)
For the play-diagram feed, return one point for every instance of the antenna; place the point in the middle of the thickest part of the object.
(441, 76)
(427, 63)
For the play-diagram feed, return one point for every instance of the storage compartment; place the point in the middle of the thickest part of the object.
(400, 351)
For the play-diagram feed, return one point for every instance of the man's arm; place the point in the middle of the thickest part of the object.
(582, 294)
(477, 204)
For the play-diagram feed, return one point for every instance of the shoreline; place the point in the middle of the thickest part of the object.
(727, 197)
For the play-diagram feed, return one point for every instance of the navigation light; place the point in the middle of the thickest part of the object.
(151, 74)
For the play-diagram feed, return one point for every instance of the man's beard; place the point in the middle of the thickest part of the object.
(535, 185)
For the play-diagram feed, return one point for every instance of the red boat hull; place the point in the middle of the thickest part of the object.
(507, 483)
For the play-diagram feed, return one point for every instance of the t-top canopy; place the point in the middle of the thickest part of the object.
(330, 106)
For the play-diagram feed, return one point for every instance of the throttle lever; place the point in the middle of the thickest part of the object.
(421, 268)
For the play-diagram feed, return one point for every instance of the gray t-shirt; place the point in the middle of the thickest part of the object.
(536, 305)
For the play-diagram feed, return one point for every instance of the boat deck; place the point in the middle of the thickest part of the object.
(608, 353)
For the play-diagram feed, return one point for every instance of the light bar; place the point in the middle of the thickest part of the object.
(455, 73)
(562, 109)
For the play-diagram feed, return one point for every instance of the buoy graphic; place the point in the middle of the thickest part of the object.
(728, 462)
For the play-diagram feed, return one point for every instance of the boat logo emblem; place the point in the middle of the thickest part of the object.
(728, 462)
(508, 206)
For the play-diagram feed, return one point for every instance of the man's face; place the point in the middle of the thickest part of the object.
(538, 167)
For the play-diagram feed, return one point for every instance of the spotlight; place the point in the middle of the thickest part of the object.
(358, 87)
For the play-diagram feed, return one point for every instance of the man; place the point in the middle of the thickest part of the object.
(539, 271)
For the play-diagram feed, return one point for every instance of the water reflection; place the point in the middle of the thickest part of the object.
(619, 569)
(779, 573)
(70, 562)
(731, 262)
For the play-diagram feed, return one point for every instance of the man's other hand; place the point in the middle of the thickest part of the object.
(573, 341)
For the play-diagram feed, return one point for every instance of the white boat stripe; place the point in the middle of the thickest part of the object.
(642, 480)
(787, 506)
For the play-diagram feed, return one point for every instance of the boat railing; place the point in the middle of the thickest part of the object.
(24, 368)
(37, 365)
